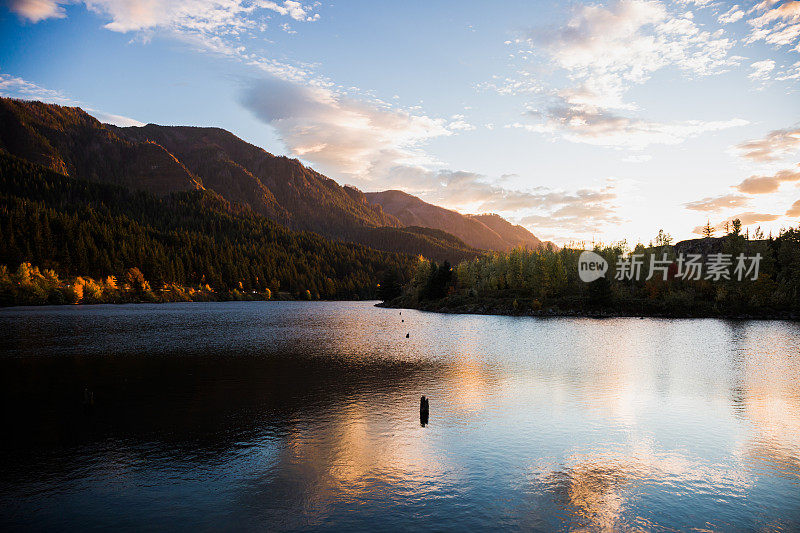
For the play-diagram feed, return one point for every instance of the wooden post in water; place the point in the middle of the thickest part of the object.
(424, 411)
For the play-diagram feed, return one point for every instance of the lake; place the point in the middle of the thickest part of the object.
(305, 415)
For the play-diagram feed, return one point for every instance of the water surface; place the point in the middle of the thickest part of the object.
(290, 415)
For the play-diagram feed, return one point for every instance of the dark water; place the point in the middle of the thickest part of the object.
(288, 415)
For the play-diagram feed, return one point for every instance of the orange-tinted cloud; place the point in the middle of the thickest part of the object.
(776, 144)
(794, 211)
(747, 219)
(718, 203)
(767, 184)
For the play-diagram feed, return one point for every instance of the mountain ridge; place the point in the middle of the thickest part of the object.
(486, 231)
(168, 159)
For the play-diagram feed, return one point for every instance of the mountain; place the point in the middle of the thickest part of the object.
(487, 232)
(69, 141)
(167, 159)
(82, 228)
(276, 186)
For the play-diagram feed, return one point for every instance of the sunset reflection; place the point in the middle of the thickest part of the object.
(600, 490)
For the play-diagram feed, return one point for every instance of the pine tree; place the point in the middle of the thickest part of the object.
(708, 230)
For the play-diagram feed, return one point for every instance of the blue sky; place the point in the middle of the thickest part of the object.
(582, 121)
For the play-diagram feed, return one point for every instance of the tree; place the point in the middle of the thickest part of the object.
(736, 227)
(708, 230)
(438, 282)
(663, 239)
(389, 287)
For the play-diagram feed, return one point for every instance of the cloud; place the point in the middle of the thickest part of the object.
(604, 51)
(578, 212)
(215, 26)
(296, 10)
(761, 69)
(753, 218)
(768, 184)
(734, 14)
(747, 219)
(777, 24)
(789, 73)
(794, 211)
(459, 122)
(457, 189)
(36, 10)
(16, 87)
(116, 120)
(582, 212)
(376, 147)
(204, 16)
(611, 47)
(592, 125)
(718, 203)
(775, 145)
(347, 137)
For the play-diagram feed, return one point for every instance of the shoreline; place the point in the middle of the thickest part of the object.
(165, 302)
(506, 309)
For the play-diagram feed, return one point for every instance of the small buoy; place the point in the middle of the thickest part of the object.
(407, 335)
(424, 411)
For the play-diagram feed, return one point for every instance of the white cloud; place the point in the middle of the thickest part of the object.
(110, 118)
(777, 23)
(789, 73)
(459, 122)
(593, 125)
(734, 14)
(775, 145)
(378, 147)
(346, 137)
(36, 10)
(296, 10)
(16, 87)
(761, 69)
(204, 16)
(604, 51)
(208, 25)
(582, 212)
(541, 209)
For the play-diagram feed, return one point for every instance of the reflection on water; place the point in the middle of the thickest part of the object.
(284, 415)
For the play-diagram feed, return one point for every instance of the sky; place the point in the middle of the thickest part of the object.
(584, 122)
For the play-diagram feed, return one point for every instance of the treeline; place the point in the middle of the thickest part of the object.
(77, 228)
(30, 285)
(546, 281)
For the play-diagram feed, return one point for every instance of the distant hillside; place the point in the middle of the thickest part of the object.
(78, 227)
(275, 186)
(488, 232)
(166, 159)
(73, 143)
